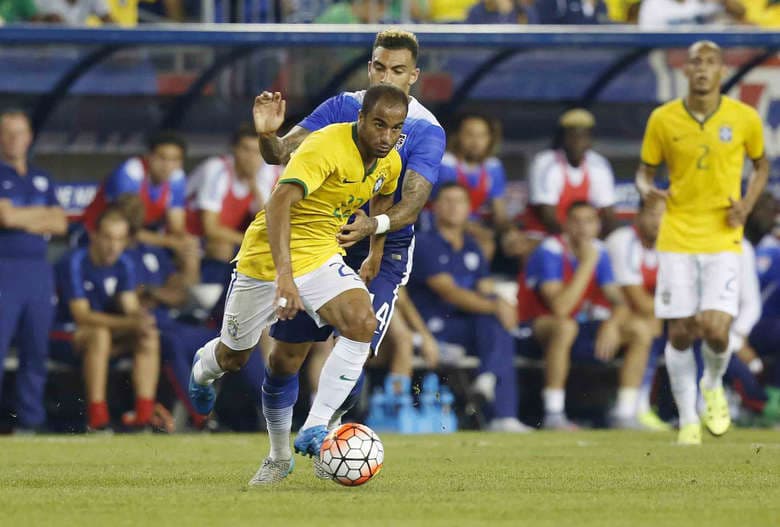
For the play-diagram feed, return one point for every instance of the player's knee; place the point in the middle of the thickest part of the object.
(232, 360)
(360, 326)
(680, 336)
(286, 358)
(717, 337)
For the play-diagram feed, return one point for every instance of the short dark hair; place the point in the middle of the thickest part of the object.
(447, 185)
(387, 92)
(112, 212)
(395, 38)
(132, 208)
(243, 131)
(578, 205)
(166, 137)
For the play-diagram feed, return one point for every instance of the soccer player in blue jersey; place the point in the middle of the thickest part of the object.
(29, 213)
(421, 146)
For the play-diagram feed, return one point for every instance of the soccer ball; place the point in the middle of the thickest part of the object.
(352, 454)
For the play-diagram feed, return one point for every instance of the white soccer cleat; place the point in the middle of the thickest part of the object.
(271, 472)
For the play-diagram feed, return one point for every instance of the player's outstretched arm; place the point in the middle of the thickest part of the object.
(268, 113)
(278, 220)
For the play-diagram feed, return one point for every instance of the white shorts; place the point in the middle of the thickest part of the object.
(250, 307)
(690, 283)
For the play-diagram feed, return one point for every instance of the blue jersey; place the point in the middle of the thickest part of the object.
(129, 179)
(421, 144)
(153, 265)
(768, 263)
(466, 265)
(552, 262)
(35, 189)
(78, 277)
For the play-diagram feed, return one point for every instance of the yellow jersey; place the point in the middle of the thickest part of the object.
(450, 10)
(329, 168)
(763, 13)
(705, 161)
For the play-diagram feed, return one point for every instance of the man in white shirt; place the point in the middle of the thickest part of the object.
(73, 12)
(224, 192)
(571, 173)
(663, 14)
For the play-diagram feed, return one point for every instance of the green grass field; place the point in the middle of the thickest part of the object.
(586, 478)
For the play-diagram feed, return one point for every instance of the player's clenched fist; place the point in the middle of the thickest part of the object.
(268, 112)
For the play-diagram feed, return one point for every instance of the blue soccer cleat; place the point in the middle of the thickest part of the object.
(202, 397)
(309, 441)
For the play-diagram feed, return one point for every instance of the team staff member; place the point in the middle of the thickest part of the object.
(29, 214)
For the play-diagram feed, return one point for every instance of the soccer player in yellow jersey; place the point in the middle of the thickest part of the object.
(290, 260)
(703, 139)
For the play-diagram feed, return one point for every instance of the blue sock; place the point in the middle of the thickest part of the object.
(279, 396)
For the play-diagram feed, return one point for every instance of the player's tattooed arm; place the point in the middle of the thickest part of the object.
(268, 113)
(276, 150)
(414, 194)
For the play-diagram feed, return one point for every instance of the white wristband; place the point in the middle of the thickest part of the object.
(382, 223)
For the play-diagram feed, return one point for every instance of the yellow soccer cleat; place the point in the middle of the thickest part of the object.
(716, 417)
(650, 421)
(689, 434)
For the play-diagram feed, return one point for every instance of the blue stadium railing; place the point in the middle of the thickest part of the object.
(499, 44)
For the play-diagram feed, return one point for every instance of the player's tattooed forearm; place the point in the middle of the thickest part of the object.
(414, 195)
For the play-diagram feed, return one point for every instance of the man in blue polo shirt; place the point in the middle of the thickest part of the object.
(99, 307)
(29, 214)
(452, 290)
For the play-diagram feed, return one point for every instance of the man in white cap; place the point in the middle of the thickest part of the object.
(569, 172)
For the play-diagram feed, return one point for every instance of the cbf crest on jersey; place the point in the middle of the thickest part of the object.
(379, 182)
(725, 133)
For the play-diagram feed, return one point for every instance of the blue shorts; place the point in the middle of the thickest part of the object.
(393, 273)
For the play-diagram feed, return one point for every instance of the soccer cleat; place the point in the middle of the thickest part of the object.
(271, 471)
(202, 397)
(309, 441)
(649, 420)
(716, 416)
(689, 434)
(559, 422)
(509, 424)
(320, 472)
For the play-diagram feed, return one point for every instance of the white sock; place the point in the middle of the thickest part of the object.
(643, 400)
(681, 366)
(339, 375)
(554, 400)
(279, 423)
(715, 365)
(625, 407)
(207, 370)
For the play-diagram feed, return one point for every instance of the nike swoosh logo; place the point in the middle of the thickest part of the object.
(345, 378)
(346, 181)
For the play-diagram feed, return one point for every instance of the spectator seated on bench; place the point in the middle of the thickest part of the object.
(569, 297)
